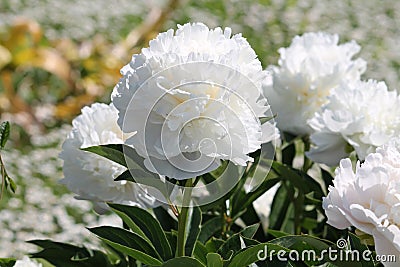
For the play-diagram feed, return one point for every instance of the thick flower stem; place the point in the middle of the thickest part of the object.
(182, 219)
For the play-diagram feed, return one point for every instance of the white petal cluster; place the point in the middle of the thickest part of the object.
(92, 176)
(369, 198)
(193, 97)
(307, 70)
(27, 262)
(364, 114)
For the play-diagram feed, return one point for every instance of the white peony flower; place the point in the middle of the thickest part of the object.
(308, 69)
(363, 114)
(89, 175)
(194, 98)
(369, 198)
(27, 262)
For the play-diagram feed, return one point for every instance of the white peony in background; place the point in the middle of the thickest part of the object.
(368, 198)
(307, 71)
(363, 114)
(92, 176)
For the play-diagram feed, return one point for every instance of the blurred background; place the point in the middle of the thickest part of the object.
(58, 56)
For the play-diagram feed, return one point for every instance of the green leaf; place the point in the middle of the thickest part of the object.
(299, 179)
(234, 244)
(214, 244)
(146, 226)
(291, 241)
(230, 247)
(265, 119)
(200, 252)
(279, 209)
(112, 152)
(242, 199)
(250, 217)
(193, 230)
(12, 184)
(304, 242)
(276, 233)
(4, 133)
(7, 262)
(125, 176)
(164, 218)
(66, 255)
(183, 262)
(214, 260)
(172, 240)
(125, 156)
(356, 244)
(250, 255)
(250, 231)
(210, 228)
(129, 243)
(288, 154)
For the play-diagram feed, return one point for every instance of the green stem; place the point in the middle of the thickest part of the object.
(298, 212)
(307, 164)
(182, 219)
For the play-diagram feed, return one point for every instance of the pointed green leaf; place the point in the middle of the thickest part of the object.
(193, 230)
(143, 223)
(250, 231)
(279, 209)
(214, 260)
(112, 152)
(165, 219)
(357, 245)
(276, 233)
(129, 243)
(210, 228)
(4, 133)
(183, 262)
(214, 244)
(242, 199)
(125, 156)
(66, 255)
(200, 252)
(12, 184)
(230, 247)
(125, 176)
(172, 238)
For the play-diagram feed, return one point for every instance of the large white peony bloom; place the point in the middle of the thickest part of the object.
(27, 262)
(89, 175)
(363, 114)
(194, 98)
(369, 199)
(308, 69)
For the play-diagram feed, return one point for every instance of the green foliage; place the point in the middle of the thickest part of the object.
(193, 231)
(145, 225)
(183, 262)
(6, 181)
(4, 133)
(225, 233)
(7, 262)
(128, 243)
(66, 255)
